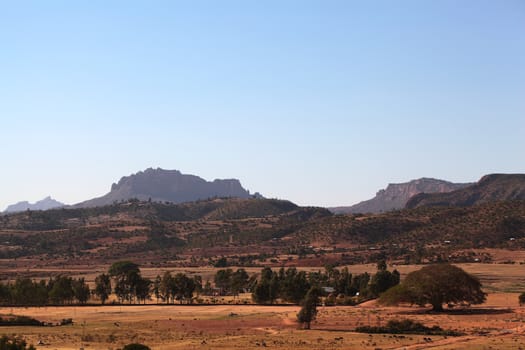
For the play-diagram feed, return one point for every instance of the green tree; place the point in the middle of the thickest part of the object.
(142, 289)
(166, 287)
(382, 281)
(80, 290)
(222, 280)
(127, 276)
(239, 280)
(156, 287)
(61, 290)
(294, 285)
(308, 311)
(435, 285)
(183, 287)
(103, 287)
(343, 284)
(267, 288)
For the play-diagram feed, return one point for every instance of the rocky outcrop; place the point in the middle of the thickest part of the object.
(44, 204)
(395, 196)
(490, 188)
(161, 185)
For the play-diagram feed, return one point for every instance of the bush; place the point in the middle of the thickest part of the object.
(406, 326)
(19, 321)
(522, 299)
(135, 346)
(14, 344)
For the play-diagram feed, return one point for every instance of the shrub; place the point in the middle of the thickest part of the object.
(522, 299)
(136, 346)
(406, 326)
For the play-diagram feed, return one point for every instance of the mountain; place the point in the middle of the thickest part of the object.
(490, 188)
(44, 204)
(395, 196)
(161, 185)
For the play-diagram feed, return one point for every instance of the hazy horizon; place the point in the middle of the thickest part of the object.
(318, 102)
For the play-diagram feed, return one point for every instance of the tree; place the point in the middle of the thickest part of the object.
(294, 285)
(239, 280)
(267, 289)
(382, 281)
(222, 280)
(156, 287)
(308, 310)
(61, 290)
(127, 276)
(183, 287)
(103, 287)
(142, 289)
(435, 285)
(80, 290)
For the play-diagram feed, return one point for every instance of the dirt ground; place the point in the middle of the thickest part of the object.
(498, 324)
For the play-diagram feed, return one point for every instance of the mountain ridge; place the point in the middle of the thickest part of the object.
(43, 204)
(396, 195)
(161, 185)
(490, 188)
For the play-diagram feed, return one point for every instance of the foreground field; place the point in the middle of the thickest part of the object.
(498, 324)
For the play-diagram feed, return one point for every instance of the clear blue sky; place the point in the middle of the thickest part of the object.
(320, 102)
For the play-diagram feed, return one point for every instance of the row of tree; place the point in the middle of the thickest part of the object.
(292, 285)
(58, 291)
(125, 281)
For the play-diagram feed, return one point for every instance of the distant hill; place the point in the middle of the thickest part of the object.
(490, 188)
(44, 204)
(395, 196)
(161, 185)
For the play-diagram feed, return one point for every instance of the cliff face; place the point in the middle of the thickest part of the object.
(490, 188)
(395, 196)
(168, 186)
(44, 204)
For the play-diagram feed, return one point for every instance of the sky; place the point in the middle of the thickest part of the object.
(318, 102)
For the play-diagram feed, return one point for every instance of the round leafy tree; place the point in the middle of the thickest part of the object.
(436, 285)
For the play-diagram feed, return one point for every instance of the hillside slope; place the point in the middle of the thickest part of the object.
(490, 188)
(395, 196)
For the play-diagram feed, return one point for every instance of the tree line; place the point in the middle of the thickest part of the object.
(292, 285)
(61, 290)
(124, 280)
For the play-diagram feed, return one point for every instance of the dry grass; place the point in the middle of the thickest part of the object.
(498, 322)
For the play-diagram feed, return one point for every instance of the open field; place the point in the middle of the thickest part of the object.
(498, 324)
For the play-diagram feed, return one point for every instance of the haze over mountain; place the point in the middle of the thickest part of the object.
(161, 185)
(490, 188)
(44, 204)
(395, 196)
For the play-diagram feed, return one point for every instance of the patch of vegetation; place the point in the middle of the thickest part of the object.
(7, 343)
(407, 326)
(136, 346)
(19, 321)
